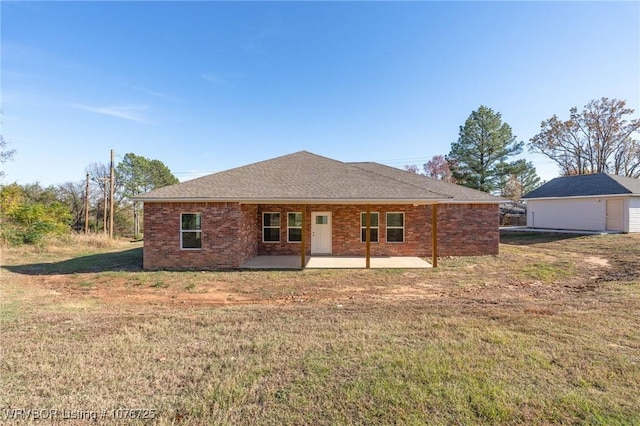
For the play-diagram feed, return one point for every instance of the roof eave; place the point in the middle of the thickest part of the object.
(582, 196)
(420, 201)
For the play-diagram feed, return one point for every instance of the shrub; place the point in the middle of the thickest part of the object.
(31, 223)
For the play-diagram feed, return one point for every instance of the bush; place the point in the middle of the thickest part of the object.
(32, 223)
(10, 234)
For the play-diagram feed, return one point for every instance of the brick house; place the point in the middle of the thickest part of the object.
(304, 204)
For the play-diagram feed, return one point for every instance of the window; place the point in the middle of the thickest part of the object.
(395, 227)
(373, 227)
(294, 227)
(190, 231)
(271, 227)
(322, 219)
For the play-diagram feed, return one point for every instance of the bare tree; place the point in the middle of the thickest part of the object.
(72, 195)
(98, 173)
(5, 155)
(600, 139)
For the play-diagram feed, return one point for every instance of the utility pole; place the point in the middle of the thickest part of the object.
(136, 225)
(111, 185)
(104, 205)
(86, 207)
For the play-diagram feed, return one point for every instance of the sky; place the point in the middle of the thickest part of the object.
(207, 86)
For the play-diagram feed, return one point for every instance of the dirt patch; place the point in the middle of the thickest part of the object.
(598, 261)
(522, 274)
(291, 288)
(121, 291)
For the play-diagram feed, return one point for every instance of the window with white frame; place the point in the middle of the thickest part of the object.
(373, 227)
(294, 227)
(271, 227)
(395, 227)
(190, 231)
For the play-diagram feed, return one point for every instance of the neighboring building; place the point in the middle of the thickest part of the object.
(303, 204)
(513, 213)
(596, 202)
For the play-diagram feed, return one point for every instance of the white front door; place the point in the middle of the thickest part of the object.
(615, 210)
(320, 232)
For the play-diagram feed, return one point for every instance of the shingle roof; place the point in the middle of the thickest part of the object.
(450, 190)
(587, 185)
(303, 176)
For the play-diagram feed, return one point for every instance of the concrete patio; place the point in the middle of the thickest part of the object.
(335, 262)
(555, 231)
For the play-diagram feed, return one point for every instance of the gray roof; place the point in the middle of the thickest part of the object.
(587, 185)
(450, 190)
(303, 176)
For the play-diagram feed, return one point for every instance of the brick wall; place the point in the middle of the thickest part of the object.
(248, 245)
(467, 229)
(463, 230)
(226, 236)
(232, 233)
(346, 230)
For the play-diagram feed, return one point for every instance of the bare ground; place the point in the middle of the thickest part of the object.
(491, 279)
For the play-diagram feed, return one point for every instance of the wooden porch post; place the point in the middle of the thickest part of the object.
(303, 241)
(434, 235)
(367, 233)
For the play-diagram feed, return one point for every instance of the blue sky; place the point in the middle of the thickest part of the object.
(206, 86)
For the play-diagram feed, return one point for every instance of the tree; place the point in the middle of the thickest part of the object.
(11, 197)
(72, 195)
(31, 213)
(522, 180)
(598, 139)
(512, 189)
(99, 174)
(138, 175)
(39, 220)
(412, 168)
(5, 155)
(526, 175)
(479, 158)
(34, 193)
(438, 168)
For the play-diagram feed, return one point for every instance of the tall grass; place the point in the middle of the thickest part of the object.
(99, 241)
(56, 247)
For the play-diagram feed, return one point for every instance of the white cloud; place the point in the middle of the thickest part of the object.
(134, 113)
(157, 94)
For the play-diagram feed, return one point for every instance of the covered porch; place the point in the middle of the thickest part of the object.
(340, 235)
(336, 262)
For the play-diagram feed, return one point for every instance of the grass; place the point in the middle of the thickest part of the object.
(536, 335)
(548, 272)
(160, 284)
